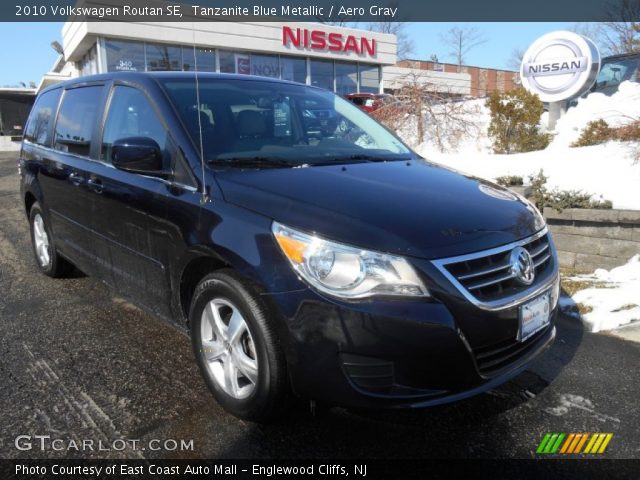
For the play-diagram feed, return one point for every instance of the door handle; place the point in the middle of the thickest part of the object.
(76, 179)
(95, 184)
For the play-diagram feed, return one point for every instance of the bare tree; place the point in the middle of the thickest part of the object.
(515, 59)
(387, 24)
(620, 33)
(345, 21)
(429, 110)
(590, 30)
(460, 41)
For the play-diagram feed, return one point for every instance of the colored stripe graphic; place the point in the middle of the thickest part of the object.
(607, 439)
(567, 443)
(592, 441)
(572, 443)
(543, 443)
(582, 442)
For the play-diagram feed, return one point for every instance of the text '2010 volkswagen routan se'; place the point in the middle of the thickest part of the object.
(308, 251)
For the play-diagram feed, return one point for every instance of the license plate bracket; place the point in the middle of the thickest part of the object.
(534, 315)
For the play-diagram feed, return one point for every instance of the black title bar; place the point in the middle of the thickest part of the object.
(321, 10)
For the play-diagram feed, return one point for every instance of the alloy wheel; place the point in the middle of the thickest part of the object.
(41, 241)
(228, 348)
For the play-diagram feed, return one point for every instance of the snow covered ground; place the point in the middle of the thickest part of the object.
(609, 171)
(613, 300)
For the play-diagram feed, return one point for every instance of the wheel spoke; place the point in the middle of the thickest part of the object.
(217, 325)
(231, 377)
(237, 326)
(37, 228)
(246, 365)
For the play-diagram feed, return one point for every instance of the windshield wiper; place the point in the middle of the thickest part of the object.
(255, 162)
(359, 157)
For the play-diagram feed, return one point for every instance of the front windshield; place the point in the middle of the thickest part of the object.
(277, 124)
(614, 72)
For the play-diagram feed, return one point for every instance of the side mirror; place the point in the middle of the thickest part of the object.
(138, 155)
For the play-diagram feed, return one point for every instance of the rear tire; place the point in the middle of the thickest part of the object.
(237, 348)
(47, 258)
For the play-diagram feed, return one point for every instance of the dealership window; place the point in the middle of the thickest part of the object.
(294, 69)
(88, 64)
(322, 74)
(227, 62)
(265, 66)
(346, 78)
(163, 57)
(38, 130)
(124, 56)
(369, 79)
(76, 120)
(205, 58)
(235, 62)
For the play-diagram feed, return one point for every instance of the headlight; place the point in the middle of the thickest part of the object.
(347, 272)
(540, 222)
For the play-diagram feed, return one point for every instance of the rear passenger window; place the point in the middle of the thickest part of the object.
(131, 115)
(38, 129)
(76, 120)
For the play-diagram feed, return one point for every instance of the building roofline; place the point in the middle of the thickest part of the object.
(455, 64)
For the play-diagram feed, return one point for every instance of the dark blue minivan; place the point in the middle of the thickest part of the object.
(308, 251)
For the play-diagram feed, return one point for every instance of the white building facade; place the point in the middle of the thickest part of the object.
(343, 60)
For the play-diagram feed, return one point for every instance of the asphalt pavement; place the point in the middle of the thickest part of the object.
(77, 363)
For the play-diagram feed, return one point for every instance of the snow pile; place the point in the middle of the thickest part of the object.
(614, 299)
(617, 110)
(608, 171)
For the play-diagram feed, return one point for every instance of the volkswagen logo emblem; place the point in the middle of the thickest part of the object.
(522, 267)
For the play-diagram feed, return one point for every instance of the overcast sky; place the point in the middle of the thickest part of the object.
(26, 54)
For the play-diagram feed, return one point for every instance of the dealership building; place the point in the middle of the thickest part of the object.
(343, 60)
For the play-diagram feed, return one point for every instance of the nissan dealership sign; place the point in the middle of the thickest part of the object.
(321, 40)
(560, 65)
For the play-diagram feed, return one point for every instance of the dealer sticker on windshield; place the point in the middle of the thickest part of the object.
(534, 316)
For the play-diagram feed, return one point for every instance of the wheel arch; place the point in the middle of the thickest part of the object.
(29, 200)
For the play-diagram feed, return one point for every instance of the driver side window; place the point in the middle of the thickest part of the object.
(131, 115)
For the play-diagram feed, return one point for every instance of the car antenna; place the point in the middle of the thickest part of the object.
(205, 196)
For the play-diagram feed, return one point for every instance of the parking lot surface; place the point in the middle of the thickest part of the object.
(77, 363)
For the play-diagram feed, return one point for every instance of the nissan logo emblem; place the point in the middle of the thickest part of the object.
(559, 66)
(522, 267)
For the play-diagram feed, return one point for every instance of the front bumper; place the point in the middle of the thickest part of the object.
(401, 353)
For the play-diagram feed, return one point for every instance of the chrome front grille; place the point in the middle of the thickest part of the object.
(486, 278)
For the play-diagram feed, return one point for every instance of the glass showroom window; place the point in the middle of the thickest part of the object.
(322, 74)
(265, 66)
(163, 57)
(89, 63)
(369, 79)
(346, 78)
(234, 62)
(205, 58)
(294, 69)
(124, 56)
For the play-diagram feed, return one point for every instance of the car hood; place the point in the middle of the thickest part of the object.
(414, 208)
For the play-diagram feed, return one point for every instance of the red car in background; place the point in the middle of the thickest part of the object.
(369, 102)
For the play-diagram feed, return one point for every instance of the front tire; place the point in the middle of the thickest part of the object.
(237, 348)
(47, 258)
